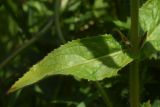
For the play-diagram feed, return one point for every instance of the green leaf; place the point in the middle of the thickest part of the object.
(82, 104)
(146, 104)
(156, 103)
(150, 22)
(92, 58)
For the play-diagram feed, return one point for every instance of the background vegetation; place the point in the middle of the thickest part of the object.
(29, 29)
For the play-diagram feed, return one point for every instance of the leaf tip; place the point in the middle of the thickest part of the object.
(12, 89)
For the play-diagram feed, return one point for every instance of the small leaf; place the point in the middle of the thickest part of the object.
(150, 17)
(146, 104)
(92, 58)
(156, 103)
(82, 104)
(150, 22)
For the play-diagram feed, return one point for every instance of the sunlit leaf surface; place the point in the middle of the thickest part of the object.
(150, 22)
(92, 58)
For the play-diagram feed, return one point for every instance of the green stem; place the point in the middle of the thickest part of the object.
(57, 21)
(104, 95)
(26, 44)
(134, 84)
(134, 38)
(13, 16)
(134, 67)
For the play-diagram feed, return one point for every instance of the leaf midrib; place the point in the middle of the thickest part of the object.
(88, 61)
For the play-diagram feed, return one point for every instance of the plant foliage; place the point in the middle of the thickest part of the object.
(92, 58)
(31, 29)
(150, 22)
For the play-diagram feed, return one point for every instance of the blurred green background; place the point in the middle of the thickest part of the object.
(29, 29)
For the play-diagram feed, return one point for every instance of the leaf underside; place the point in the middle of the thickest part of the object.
(92, 58)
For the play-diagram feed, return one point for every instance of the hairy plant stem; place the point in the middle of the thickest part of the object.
(134, 67)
